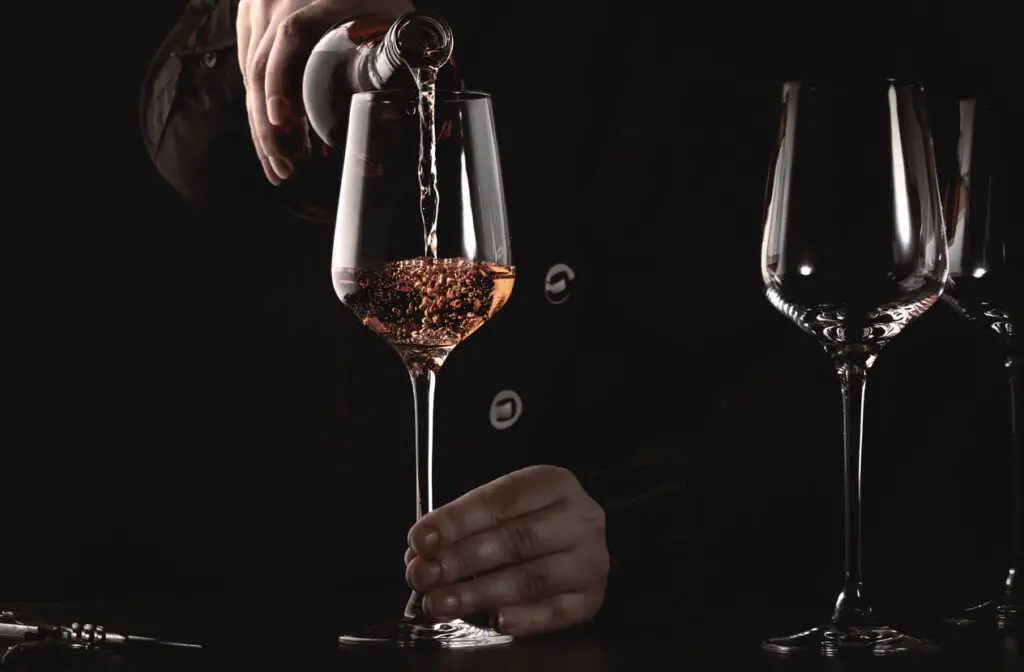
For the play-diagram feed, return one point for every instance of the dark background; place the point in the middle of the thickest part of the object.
(134, 330)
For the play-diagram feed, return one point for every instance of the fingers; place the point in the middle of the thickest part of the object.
(504, 499)
(274, 86)
(269, 138)
(528, 547)
(250, 27)
(527, 583)
(243, 31)
(268, 170)
(556, 528)
(549, 615)
(257, 27)
(295, 38)
(261, 33)
(274, 44)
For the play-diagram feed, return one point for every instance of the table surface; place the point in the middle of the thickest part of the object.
(637, 645)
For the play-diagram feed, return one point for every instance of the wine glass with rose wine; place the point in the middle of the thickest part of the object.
(853, 251)
(986, 286)
(422, 257)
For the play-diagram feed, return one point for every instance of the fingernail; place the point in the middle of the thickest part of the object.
(278, 110)
(424, 539)
(442, 603)
(425, 575)
(498, 622)
(282, 166)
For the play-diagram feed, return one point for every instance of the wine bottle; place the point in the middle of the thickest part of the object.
(363, 54)
(370, 54)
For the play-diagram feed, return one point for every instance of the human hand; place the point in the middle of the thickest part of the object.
(531, 543)
(275, 39)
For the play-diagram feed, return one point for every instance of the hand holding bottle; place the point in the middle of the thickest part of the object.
(275, 38)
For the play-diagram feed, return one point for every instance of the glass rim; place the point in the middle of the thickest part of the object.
(989, 100)
(813, 83)
(404, 96)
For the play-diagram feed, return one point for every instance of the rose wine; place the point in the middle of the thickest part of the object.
(424, 55)
(426, 80)
(425, 306)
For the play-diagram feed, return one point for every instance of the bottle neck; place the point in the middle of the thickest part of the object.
(414, 40)
(382, 60)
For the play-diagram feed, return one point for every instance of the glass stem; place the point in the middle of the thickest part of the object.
(1013, 583)
(423, 403)
(851, 607)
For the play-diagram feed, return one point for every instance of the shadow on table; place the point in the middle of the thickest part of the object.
(961, 652)
(549, 654)
(554, 654)
(644, 644)
(578, 652)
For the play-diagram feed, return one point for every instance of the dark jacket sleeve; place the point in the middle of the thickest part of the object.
(196, 131)
(691, 519)
(192, 111)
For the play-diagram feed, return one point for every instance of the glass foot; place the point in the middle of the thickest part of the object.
(832, 640)
(425, 633)
(1000, 613)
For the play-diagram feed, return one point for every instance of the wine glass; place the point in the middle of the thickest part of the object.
(986, 286)
(853, 250)
(423, 262)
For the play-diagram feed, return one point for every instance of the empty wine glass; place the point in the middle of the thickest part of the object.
(424, 267)
(986, 286)
(853, 251)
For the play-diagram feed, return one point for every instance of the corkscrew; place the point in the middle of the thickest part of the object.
(75, 637)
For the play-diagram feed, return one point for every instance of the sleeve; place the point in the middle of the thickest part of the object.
(192, 111)
(681, 517)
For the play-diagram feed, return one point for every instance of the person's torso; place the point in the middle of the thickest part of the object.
(634, 163)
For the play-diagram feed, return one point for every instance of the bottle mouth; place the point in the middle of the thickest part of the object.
(422, 40)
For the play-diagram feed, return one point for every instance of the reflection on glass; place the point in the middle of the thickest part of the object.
(986, 286)
(853, 251)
